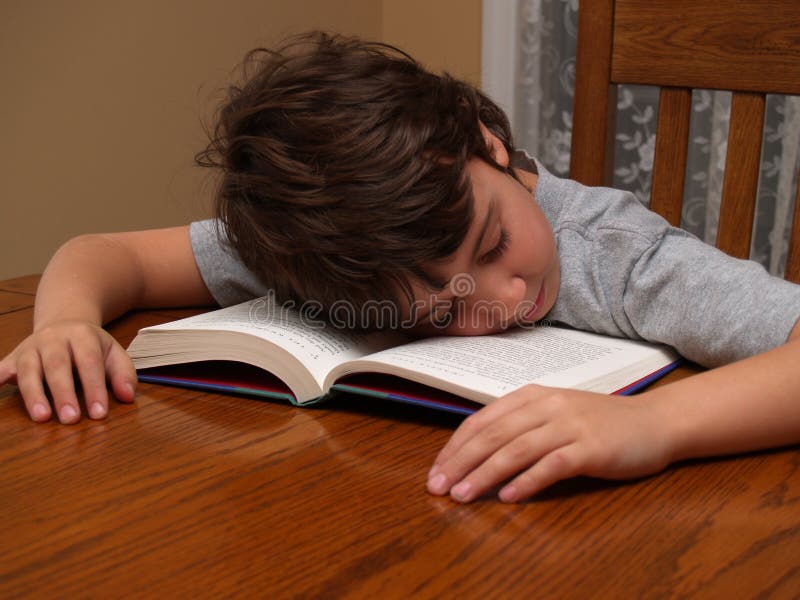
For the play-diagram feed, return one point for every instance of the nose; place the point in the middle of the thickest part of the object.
(495, 300)
(508, 290)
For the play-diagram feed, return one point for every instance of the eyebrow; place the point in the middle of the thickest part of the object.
(484, 227)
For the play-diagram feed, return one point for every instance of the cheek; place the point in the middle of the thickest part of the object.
(543, 239)
(537, 247)
(473, 331)
(478, 327)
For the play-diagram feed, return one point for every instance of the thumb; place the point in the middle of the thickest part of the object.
(121, 373)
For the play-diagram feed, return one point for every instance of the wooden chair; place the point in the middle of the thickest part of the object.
(751, 48)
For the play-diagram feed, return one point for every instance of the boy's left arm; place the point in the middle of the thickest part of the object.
(536, 436)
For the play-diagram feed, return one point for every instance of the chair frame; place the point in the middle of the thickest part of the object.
(750, 48)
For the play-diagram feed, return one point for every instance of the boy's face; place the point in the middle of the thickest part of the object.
(506, 271)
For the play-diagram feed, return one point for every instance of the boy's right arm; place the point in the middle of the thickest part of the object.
(91, 280)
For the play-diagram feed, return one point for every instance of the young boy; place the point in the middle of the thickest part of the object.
(351, 174)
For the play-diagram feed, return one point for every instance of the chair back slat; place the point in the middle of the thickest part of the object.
(669, 162)
(720, 44)
(748, 47)
(595, 102)
(740, 185)
(792, 272)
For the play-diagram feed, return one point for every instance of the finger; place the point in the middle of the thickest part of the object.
(57, 366)
(88, 358)
(562, 463)
(477, 422)
(486, 443)
(29, 381)
(121, 373)
(518, 455)
(8, 370)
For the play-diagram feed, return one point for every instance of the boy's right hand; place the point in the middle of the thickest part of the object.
(53, 354)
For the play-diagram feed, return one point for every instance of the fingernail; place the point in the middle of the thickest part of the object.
(68, 414)
(97, 410)
(434, 470)
(508, 494)
(438, 484)
(461, 491)
(40, 412)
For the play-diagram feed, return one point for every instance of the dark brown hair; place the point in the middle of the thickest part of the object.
(342, 167)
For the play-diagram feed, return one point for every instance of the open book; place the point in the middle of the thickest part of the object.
(277, 353)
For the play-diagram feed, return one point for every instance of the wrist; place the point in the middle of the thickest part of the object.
(670, 424)
(44, 318)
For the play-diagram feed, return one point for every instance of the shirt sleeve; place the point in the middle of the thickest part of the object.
(223, 272)
(711, 307)
(626, 272)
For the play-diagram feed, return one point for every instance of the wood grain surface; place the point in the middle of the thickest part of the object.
(595, 105)
(11, 301)
(745, 46)
(195, 494)
(669, 160)
(21, 285)
(742, 166)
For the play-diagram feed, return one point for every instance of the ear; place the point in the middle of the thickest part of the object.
(496, 147)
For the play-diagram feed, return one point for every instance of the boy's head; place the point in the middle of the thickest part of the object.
(343, 169)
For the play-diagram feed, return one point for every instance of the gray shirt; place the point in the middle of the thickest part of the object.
(624, 272)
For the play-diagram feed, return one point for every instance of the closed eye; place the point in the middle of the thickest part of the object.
(496, 252)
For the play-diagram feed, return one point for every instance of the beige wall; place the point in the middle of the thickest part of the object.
(443, 35)
(102, 100)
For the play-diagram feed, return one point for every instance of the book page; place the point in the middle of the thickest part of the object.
(319, 346)
(498, 364)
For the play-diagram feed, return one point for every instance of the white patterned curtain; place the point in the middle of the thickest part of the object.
(529, 67)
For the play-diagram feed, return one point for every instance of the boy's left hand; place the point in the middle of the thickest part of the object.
(537, 435)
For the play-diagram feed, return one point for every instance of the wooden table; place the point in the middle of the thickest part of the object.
(189, 493)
